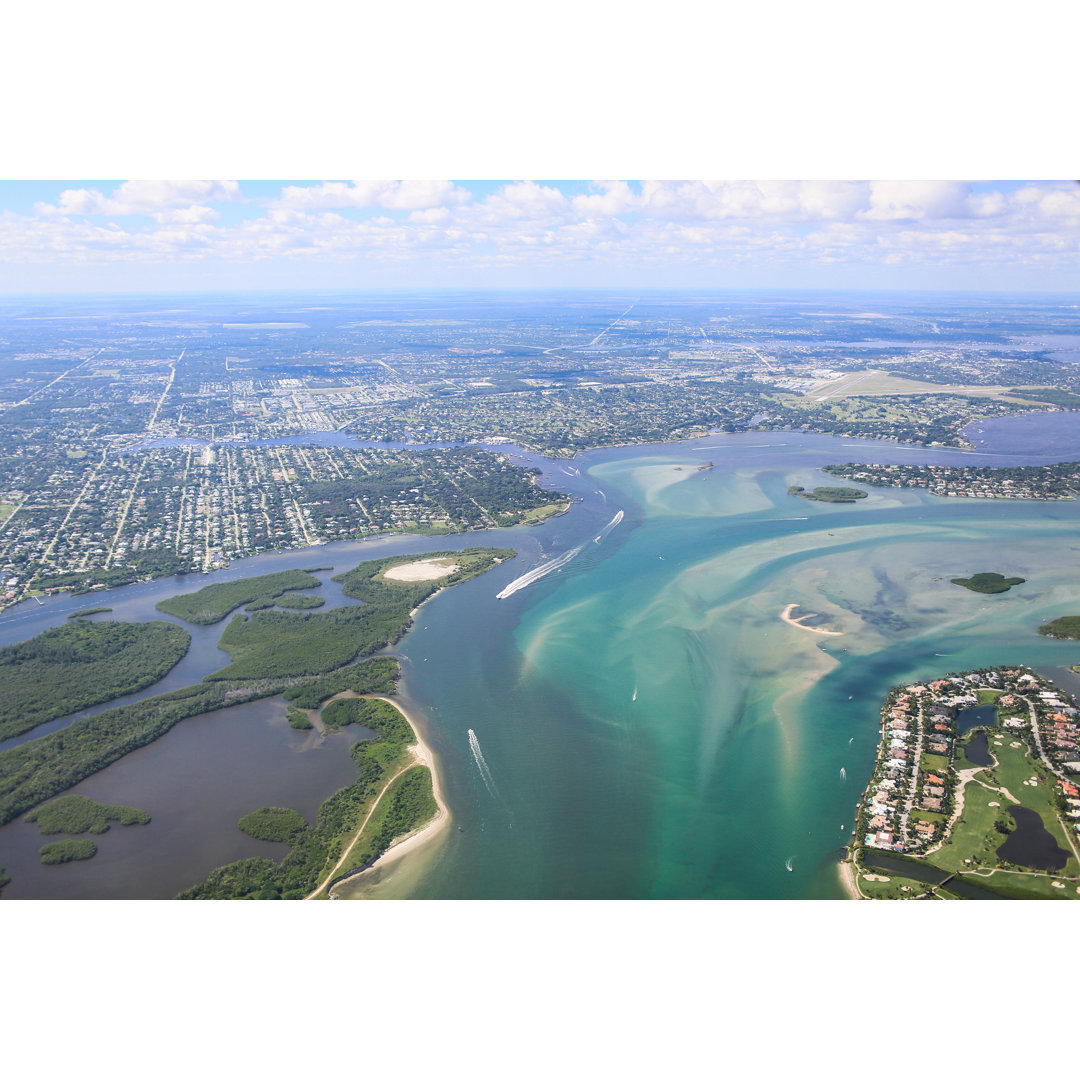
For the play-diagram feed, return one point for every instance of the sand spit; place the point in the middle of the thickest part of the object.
(422, 755)
(786, 616)
(424, 570)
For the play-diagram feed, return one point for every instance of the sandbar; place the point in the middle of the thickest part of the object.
(424, 570)
(786, 616)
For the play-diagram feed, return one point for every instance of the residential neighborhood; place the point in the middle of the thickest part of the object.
(986, 728)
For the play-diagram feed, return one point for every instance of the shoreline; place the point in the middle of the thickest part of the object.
(419, 838)
(847, 879)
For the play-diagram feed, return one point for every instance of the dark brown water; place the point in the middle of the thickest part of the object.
(195, 782)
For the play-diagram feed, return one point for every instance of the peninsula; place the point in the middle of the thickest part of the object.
(974, 792)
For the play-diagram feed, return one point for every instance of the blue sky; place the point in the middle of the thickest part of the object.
(137, 235)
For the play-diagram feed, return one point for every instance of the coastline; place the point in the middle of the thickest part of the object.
(420, 838)
(847, 878)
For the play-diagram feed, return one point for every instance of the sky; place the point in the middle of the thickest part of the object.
(151, 235)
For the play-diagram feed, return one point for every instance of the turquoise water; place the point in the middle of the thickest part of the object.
(644, 723)
(650, 725)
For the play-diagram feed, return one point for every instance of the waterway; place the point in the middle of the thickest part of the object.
(638, 722)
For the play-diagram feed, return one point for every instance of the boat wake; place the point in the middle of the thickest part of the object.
(538, 572)
(634, 698)
(481, 764)
(843, 773)
(787, 865)
(608, 527)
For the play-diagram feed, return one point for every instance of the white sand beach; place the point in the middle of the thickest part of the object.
(424, 570)
(787, 617)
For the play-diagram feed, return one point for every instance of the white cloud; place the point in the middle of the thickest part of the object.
(614, 197)
(371, 194)
(525, 200)
(615, 225)
(918, 200)
(143, 197)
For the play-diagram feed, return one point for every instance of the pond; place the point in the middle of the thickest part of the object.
(978, 752)
(980, 716)
(1030, 844)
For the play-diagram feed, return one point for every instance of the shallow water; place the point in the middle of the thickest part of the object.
(649, 725)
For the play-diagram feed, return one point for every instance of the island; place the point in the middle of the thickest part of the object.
(974, 793)
(80, 664)
(1067, 628)
(75, 814)
(988, 582)
(65, 851)
(829, 494)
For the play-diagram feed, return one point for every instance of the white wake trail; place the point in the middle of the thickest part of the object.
(538, 572)
(608, 527)
(481, 764)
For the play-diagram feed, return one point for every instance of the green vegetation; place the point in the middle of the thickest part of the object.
(542, 513)
(47, 766)
(75, 814)
(366, 581)
(315, 851)
(62, 851)
(298, 720)
(278, 824)
(299, 601)
(378, 676)
(829, 494)
(1068, 626)
(345, 711)
(212, 603)
(408, 803)
(82, 612)
(988, 582)
(37, 770)
(4, 879)
(141, 566)
(1062, 398)
(80, 664)
(279, 644)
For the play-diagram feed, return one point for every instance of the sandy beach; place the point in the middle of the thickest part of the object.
(422, 755)
(786, 616)
(424, 570)
(847, 879)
